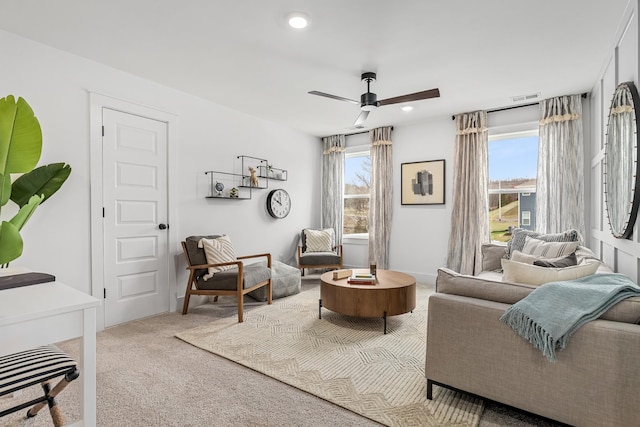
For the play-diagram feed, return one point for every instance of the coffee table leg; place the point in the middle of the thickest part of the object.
(385, 322)
(320, 308)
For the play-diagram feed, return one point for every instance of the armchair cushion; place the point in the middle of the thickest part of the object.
(252, 274)
(319, 258)
(217, 251)
(318, 240)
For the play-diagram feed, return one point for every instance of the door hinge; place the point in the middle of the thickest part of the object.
(102, 130)
(105, 292)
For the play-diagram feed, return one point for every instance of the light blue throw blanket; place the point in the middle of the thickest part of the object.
(552, 312)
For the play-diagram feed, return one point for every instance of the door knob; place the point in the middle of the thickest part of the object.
(163, 226)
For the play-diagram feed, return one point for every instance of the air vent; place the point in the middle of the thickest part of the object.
(525, 97)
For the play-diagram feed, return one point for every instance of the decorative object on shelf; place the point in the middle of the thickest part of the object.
(21, 145)
(254, 178)
(218, 188)
(270, 171)
(233, 193)
(620, 169)
(278, 203)
(422, 183)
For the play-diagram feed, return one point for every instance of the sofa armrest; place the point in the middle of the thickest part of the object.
(492, 253)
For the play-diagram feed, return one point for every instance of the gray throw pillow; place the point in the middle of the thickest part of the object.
(519, 236)
(567, 261)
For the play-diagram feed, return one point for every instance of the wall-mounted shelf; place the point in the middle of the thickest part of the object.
(221, 182)
(221, 185)
(272, 173)
(255, 163)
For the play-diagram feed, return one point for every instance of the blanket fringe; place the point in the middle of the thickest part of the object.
(530, 330)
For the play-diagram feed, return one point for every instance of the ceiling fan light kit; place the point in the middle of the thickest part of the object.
(369, 100)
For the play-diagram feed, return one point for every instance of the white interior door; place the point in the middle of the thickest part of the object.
(135, 215)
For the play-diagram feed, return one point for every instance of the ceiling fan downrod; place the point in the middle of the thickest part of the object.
(368, 100)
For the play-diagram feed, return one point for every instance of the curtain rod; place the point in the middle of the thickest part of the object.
(358, 133)
(495, 110)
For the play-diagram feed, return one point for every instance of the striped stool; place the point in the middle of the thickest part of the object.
(37, 366)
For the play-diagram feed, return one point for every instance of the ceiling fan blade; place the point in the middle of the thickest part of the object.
(361, 118)
(339, 98)
(425, 94)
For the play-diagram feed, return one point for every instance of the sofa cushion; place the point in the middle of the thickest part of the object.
(518, 256)
(492, 253)
(567, 261)
(534, 275)
(518, 236)
(450, 282)
(538, 247)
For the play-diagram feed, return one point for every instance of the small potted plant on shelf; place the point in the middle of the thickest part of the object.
(270, 171)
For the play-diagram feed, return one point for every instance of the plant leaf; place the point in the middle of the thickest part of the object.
(45, 180)
(20, 136)
(25, 212)
(5, 189)
(10, 242)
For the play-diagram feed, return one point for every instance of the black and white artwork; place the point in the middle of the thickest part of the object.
(423, 183)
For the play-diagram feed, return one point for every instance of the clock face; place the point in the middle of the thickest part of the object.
(278, 203)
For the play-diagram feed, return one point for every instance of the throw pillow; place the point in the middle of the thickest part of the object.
(217, 251)
(567, 261)
(518, 272)
(518, 256)
(319, 240)
(518, 235)
(540, 248)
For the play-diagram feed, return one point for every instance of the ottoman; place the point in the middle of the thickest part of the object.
(285, 281)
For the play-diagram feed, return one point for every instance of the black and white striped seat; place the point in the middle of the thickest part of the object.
(36, 366)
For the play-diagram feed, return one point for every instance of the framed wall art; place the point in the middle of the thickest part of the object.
(422, 183)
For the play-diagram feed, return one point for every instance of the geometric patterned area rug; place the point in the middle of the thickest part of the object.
(345, 360)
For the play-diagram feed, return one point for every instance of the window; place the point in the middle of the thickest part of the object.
(357, 181)
(513, 161)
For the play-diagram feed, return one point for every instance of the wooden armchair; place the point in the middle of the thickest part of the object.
(326, 254)
(236, 281)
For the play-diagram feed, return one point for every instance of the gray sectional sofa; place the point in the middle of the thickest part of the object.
(595, 380)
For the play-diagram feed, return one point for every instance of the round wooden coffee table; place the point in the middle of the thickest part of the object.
(394, 293)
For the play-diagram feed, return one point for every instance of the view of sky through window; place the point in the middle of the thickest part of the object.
(513, 158)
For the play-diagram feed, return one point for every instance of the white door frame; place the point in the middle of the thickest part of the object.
(96, 103)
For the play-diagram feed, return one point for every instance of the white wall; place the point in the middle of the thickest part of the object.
(420, 233)
(622, 65)
(209, 137)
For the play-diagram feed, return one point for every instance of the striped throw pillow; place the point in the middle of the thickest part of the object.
(520, 234)
(319, 240)
(217, 251)
(542, 249)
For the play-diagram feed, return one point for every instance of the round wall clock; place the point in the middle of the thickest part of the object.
(278, 203)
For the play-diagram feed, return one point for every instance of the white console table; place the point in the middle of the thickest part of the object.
(48, 313)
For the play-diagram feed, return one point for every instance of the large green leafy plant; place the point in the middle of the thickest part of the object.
(20, 180)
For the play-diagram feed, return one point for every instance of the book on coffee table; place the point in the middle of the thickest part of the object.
(362, 279)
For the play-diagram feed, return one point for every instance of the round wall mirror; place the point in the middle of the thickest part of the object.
(620, 174)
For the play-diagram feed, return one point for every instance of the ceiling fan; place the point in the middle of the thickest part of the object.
(369, 101)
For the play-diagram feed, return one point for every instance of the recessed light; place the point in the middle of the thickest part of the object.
(298, 20)
(407, 108)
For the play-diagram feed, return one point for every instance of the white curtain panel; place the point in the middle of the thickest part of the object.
(469, 220)
(380, 196)
(559, 188)
(332, 183)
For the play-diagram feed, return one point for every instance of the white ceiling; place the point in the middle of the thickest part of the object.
(240, 53)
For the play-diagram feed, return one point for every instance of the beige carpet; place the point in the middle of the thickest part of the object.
(345, 360)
